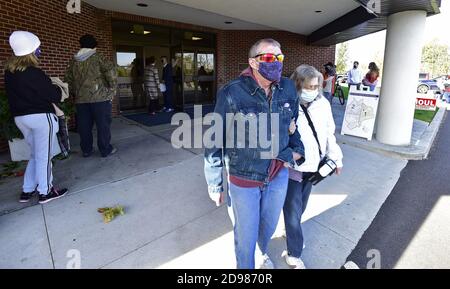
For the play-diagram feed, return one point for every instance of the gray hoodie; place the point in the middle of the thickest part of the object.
(84, 54)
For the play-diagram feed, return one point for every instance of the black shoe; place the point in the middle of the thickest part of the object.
(113, 151)
(52, 195)
(86, 155)
(25, 197)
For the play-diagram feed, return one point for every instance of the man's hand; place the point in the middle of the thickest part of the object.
(338, 171)
(295, 156)
(292, 127)
(217, 198)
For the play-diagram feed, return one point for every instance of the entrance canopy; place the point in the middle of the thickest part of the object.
(325, 22)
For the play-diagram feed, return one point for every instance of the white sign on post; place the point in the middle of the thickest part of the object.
(361, 112)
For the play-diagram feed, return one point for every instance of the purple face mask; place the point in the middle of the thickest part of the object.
(38, 52)
(271, 70)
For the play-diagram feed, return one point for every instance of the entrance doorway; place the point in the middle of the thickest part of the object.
(194, 77)
(130, 71)
(191, 54)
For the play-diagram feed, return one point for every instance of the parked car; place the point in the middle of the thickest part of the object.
(436, 84)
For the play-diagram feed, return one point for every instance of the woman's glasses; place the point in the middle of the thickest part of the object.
(270, 57)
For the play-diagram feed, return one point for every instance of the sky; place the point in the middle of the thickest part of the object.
(437, 27)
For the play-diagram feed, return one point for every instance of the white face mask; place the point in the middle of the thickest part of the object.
(309, 95)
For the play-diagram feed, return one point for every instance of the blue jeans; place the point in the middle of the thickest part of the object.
(328, 96)
(255, 213)
(168, 97)
(100, 114)
(294, 206)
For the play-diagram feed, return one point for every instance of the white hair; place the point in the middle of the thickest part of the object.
(254, 50)
(305, 73)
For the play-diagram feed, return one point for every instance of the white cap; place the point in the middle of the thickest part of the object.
(23, 43)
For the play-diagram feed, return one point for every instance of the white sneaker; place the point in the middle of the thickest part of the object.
(266, 263)
(294, 262)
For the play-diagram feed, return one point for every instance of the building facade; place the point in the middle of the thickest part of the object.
(209, 55)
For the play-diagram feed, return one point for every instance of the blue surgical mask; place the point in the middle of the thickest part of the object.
(271, 70)
(309, 95)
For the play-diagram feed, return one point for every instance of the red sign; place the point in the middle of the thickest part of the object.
(426, 104)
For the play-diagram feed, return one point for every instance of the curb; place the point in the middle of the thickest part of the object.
(431, 132)
(417, 151)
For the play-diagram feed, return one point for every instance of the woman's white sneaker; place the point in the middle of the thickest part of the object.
(266, 263)
(295, 263)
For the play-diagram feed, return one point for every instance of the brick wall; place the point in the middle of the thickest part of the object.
(233, 45)
(59, 32)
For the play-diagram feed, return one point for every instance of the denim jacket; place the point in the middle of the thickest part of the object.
(246, 98)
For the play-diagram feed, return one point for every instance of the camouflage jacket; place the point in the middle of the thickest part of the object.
(91, 77)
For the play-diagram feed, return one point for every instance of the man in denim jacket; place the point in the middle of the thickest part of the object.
(257, 173)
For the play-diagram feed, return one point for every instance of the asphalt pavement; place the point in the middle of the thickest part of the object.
(412, 228)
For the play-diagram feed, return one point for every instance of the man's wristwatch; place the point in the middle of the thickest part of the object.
(300, 161)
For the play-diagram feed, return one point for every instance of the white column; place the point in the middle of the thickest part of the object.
(404, 41)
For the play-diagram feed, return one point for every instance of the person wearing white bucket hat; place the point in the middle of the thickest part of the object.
(31, 95)
(24, 43)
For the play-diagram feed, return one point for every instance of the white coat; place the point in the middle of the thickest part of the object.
(322, 118)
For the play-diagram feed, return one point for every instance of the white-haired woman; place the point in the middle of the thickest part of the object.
(31, 95)
(321, 130)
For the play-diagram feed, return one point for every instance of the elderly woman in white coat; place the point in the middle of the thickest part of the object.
(309, 88)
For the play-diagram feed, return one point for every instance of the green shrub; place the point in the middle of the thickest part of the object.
(8, 129)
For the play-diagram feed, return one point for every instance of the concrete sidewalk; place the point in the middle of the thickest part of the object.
(169, 221)
(422, 138)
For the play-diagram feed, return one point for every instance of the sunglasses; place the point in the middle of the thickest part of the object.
(270, 57)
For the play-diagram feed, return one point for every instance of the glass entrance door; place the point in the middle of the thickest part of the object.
(194, 77)
(205, 77)
(189, 79)
(130, 77)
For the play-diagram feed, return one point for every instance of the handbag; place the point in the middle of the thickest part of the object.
(326, 166)
(63, 134)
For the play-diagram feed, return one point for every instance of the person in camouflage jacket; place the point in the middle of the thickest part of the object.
(92, 83)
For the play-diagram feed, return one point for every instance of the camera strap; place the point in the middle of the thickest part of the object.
(308, 117)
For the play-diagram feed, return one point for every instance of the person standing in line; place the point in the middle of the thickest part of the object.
(151, 85)
(354, 76)
(329, 77)
(167, 80)
(31, 96)
(92, 82)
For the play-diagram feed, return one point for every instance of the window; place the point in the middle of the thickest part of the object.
(124, 61)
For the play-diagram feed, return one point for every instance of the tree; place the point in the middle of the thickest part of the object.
(435, 59)
(342, 58)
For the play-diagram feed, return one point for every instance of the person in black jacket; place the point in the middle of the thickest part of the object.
(31, 95)
(167, 80)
